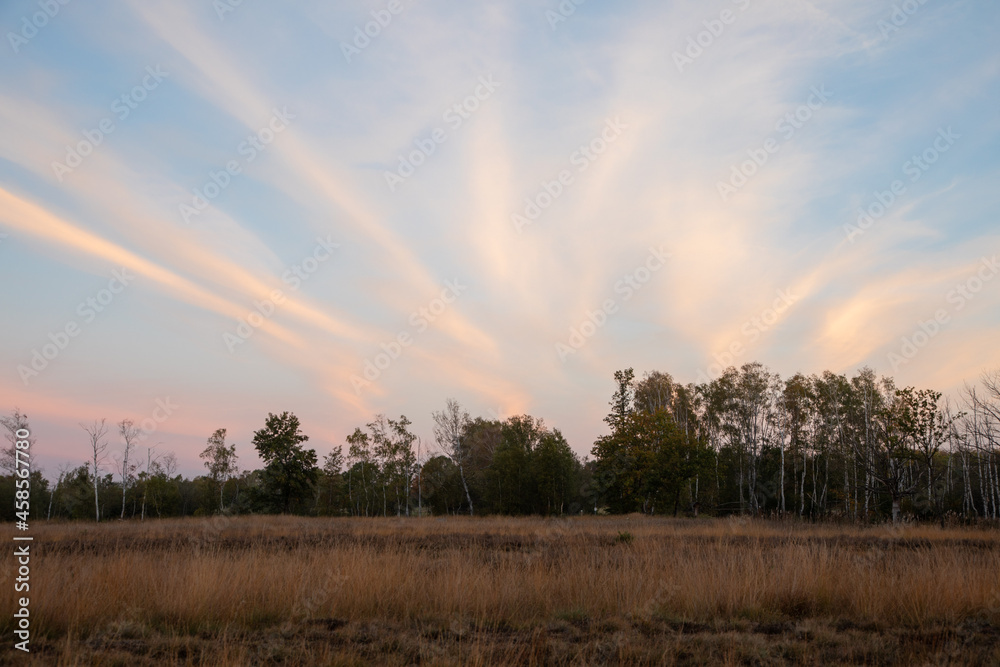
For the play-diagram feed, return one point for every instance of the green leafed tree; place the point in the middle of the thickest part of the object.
(555, 471)
(362, 475)
(442, 486)
(511, 473)
(290, 471)
(393, 447)
(220, 459)
(331, 497)
(648, 460)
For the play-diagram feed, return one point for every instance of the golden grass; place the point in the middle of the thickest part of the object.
(430, 583)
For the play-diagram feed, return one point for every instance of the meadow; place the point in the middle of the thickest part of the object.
(500, 591)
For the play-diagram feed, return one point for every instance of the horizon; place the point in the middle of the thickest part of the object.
(220, 211)
(149, 426)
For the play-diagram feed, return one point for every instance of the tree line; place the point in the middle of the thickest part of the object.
(815, 446)
(818, 447)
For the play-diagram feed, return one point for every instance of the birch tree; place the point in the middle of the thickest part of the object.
(929, 428)
(220, 460)
(96, 433)
(449, 428)
(744, 404)
(654, 392)
(796, 407)
(393, 447)
(129, 433)
(893, 447)
(146, 477)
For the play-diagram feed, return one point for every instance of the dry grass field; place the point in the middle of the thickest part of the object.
(503, 591)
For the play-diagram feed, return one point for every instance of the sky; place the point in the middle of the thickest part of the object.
(210, 211)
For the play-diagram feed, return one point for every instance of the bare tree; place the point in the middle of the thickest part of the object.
(98, 445)
(420, 491)
(12, 424)
(169, 464)
(982, 429)
(449, 427)
(129, 433)
(63, 472)
(150, 462)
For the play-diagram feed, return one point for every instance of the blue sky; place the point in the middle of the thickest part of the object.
(507, 201)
